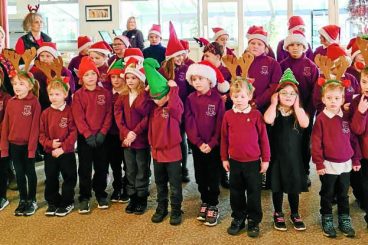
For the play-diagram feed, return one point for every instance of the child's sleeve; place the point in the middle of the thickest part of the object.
(175, 105)
(80, 117)
(358, 121)
(118, 114)
(310, 108)
(215, 139)
(35, 130)
(108, 116)
(317, 101)
(44, 140)
(4, 143)
(317, 147)
(143, 124)
(357, 150)
(191, 126)
(263, 139)
(224, 149)
(69, 142)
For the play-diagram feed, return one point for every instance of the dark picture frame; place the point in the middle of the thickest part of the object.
(98, 13)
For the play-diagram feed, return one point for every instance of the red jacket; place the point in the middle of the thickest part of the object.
(21, 124)
(56, 124)
(4, 98)
(359, 125)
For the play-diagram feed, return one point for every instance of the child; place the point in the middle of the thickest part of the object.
(335, 156)
(92, 114)
(204, 110)
(221, 37)
(120, 44)
(245, 152)
(164, 136)
(99, 53)
(288, 121)
(357, 59)
(155, 50)
(131, 115)
(84, 43)
(329, 34)
(58, 135)
(19, 133)
(187, 61)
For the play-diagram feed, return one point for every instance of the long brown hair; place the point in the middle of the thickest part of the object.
(140, 88)
(295, 87)
(169, 68)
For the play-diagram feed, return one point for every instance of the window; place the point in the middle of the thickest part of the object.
(349, 27)
(224, 15)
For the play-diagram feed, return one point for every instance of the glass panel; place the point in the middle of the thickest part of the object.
(224, 15)
(350, 27)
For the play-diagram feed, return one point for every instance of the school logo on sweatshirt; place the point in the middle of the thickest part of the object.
(165, 112)
(211, 110)
(345, 127)
(350, 89)
(27, 110)
(1, 105)
(264, 70)
(101, 99)
(307, 71)
(63, 122)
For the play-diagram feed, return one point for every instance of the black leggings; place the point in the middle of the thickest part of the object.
(277, 198)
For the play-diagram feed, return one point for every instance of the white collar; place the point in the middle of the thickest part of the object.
(61, 108)
(331, 115)
(115, 91)
(245, 111)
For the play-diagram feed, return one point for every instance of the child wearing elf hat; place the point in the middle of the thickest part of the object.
(99, 53)
(329, 34)
(335, 152)
(131, 115)
(204, 110)
(155, 50)
(120, 44)
(84, 43)
(92, 114)
(295, 23)
(46, 54)
(164, 136)
(287, 121)
(358, 63)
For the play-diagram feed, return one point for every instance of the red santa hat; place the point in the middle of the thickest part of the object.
(84, 42)
(101, 47)
(48, 47)
(86, 65)
(296, 36)
(124, 39)
(295, 23)
(354, 48)
(209, 71)
(334, 52)
(185, 44)
(133, 52)
(174, 47)
(331, 33)
(135, 67)
(218, 32)
(257, 32)
(155, 29)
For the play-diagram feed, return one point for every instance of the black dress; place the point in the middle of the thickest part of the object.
(287, 168)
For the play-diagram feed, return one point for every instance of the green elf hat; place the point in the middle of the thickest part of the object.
(116, 68)
(157, 83)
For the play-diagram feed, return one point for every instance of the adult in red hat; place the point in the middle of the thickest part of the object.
(155, 50)
(328, 35)
(135, 36)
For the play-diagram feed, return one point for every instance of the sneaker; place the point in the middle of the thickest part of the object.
(31, 208)
(345, 225)
(64, 211)
(19, 211)
(236, 226)
(212, 216)
(176, 217)
(327, 226)
(115, 197)
(297, 222)
(124, 198)
(159, 215)
(3, 203)
(279, 222)
(202, 212)
(51, 209)
(102, 203)
(84, 207)
(253, 228)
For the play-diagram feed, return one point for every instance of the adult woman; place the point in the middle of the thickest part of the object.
(4, 65)
(135, 36)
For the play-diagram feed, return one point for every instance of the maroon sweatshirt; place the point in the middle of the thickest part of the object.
(21, 124)
(133, 118)
(56, 124)
(92, 111)
(4, 98)
(164, 129)
(203, 118)
(244, 137)
(359, 125)
(104, 78)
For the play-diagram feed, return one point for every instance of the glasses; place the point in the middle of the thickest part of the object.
(284, 93)
(117, 44)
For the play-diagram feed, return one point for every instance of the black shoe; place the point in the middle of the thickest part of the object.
(84, 207)
(225, 181)
(185, 178)
(115, 197)
(124, 198)
(39, 157)
(253, 229)
(159, 215)
(176, 217)
(202, 212)
(19, 211)
(366, 219)
(141, 206)
(51, 209)
(131, 206)
(297, 222)
(3, 203)
(279, 222)
(212, 216)
(236, 226)
(309, 182)
(31, 208)
(102, 203)
(328, 226)
(345, 225)
(64, 211)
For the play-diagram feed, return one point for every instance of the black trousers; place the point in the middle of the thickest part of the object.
(92, 157)
(278, 197)
(4, 169)
(184, 151)
(115, 156)
(67, 166)
(137, 171)
(207, 174)
(364, 183)
(25, 172)
(245, 177)
(329, 183)
(168, 172)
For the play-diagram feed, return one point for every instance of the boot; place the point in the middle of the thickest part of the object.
(141, 206)
(328, 226)
(160, 214)
(366, 219)
(132, 204)
(345, 225)
(176, 215)
(185, 175)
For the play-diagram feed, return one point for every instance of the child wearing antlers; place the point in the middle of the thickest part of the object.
(20, 129)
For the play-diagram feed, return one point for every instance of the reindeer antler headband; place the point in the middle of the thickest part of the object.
(33, 9)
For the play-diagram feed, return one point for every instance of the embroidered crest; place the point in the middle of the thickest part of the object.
(211, 110)
(63, 122)
(1, 105)
(307, 71)
(101, 99)
(27, 110)
(350, 89)
(345, 127)
(264, 70)
(165, 113)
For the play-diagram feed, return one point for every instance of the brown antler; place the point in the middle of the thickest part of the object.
(57, 67)
(28, 57)
(45, 68)
(363, 47)
(231, 62)
(341, 65)
(325, 64)
(245, 62)
(13, 57)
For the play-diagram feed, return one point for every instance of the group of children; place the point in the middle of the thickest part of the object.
(247, 115)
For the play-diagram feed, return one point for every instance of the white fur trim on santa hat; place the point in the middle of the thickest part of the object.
(52, 51)
(176, 54)
(100, 50)
(154, 32)
(257, 36)
(298, 27)
(84, 46)
(353, 55)
(295, 38)
(223, 87)
(139, 58)
(219, 33)
(327, 36)
(135, 72)
(203, 71)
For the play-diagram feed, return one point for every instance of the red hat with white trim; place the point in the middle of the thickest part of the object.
(84, 42)
(296, 36)
(155, 29)
(133, 52)
(209, 71)
(331, 33)
(174, 47)
(257, 32)
(101, 47)
(86, 65)
(218, 32)
(135, 67)
(124, 39)
(334, 52)
(295, 23)
(48, 47)
(354, 48)
(185, 44)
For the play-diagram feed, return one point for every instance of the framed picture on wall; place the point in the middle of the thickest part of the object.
(98, 13)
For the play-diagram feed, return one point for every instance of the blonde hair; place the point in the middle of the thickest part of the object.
(239, 85)
(332, 86)
(140, 88)
(56, 84)
(28, 20)
(129, 19)
(22, 75)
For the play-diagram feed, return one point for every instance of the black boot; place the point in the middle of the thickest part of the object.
(160, 214)
(185, 175)
(132, 204)
(176, 215)
(141, 206)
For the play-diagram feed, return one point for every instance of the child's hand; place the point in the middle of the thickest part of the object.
(206, 149)
(202, 147)
(297, 103)
(131, 136)
(57, 152)
(56, 143)
(226, 165)
(224, 97)
(346, 106)
(147, 88)
(172, 83)
(363, 105)
(356, 168)
(264, 167)
(321, 171)
(127, 142)
(275, 99)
